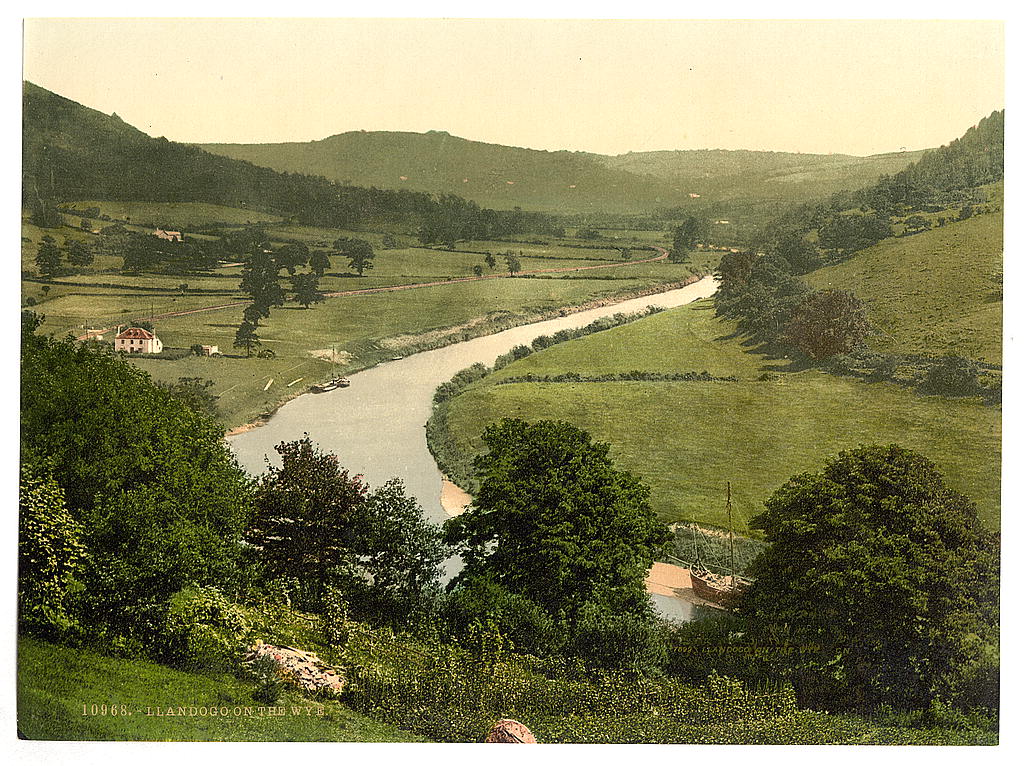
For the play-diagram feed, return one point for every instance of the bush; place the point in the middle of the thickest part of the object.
(952, 376)
(205, 630)
(521, 621)
(619, 642)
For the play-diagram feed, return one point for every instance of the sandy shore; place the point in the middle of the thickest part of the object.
(674, 582)
(454, 499)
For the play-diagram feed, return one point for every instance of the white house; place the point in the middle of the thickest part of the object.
(135, 340)
(170, 236)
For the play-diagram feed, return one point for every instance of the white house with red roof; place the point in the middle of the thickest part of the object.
(170, 236)
(135, 340)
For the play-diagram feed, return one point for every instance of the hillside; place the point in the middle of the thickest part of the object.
(503, 176)
(936, 292)
(687, 438)
(71, 152)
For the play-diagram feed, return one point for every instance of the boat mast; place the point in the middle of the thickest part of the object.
(732, 551)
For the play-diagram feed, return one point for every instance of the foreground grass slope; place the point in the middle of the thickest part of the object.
(933, 292)
(54, 683)
(686, 439)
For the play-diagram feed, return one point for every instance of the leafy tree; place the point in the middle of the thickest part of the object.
(51, 556)
(303, 521)
(553, 520)
(801, 255)
(848, 233)
(194, 393)
(398, 555)
(952, 375)
(827, 323)
(160, 499)
(291, 256)
(246, 337)
(45, 214)
(916, 223)
(478, 270)
(79, 253)
(260, 280)
(512, 263)
(319, 262)
(490, 261)
(358, 251)
(307, 289)
(522, 622)
(875, 560)
(48, 259)
(254, 312)
(685, 238)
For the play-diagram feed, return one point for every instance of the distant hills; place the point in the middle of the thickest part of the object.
(503, 177)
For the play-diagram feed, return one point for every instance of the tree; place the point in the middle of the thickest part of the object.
(398, 555)
(827, 323)
(848, 233)
(358, 251)
(319, 262)
(51, 556)
(490, 261)
(194, 393)
(875, 560)
(254, 312)
(685, 238)
(79, 253)
(512, 263)
(159, 496)
(478, 270)
(291, 256)
(555, 521)
(260, 280)
(307, 289)
(246, 337)
(916, 223)
(48, 259)
(302, 523)
(801, 255)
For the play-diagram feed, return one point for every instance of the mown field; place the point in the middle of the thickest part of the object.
(56, 683)
(931, 293)
(687, 439)
(362, 329)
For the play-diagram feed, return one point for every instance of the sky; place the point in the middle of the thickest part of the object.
(607, 86)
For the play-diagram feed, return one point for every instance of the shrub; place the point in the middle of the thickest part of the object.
(205, 629)
(952, 376)
(620, 642)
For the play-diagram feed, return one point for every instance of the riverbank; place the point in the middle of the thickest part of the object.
(432, 340)
(454, 499)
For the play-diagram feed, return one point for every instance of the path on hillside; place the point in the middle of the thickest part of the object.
(393, 288)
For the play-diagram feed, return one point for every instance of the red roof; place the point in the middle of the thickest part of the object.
(136, 333)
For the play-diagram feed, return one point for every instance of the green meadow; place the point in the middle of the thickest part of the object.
(687, 439)
(68, 694)
(933, 292)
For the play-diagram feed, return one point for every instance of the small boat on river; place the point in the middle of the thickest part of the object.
(333, 383)
(717, 588)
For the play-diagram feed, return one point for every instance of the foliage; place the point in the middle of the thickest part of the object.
(617, 642)
(358, 251)
(554, 520)
(512, 263)
(846, 234)
(194, 393)
(79, 253)
(307, 289)
(158, 495)
(527, 627)
(48, 258)
(685, 238)
(827, 323)
(50, 555)
(246, 337)
(898, 569)
(302, 523)
(952, 376)
(204, 630)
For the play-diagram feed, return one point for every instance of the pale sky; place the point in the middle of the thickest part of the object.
(853, 87)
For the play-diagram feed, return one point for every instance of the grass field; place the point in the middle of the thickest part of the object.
(358, 327)
(176, 215)
(55, 685)
(933, 292)
(686, 439)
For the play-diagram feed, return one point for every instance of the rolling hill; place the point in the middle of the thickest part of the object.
(503, 177)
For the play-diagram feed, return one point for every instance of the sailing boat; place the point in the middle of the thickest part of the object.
(335, 381)
(718, 588)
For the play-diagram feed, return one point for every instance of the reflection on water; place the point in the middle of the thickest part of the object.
(376, 425)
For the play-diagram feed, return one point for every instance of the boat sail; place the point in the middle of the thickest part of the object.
(718, 588)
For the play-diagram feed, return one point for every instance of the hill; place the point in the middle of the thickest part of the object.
(71, 152)
(935, 292)
(569, 182)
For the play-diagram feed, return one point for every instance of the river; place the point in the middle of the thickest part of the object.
(376, 426)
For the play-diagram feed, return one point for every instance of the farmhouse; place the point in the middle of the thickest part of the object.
(170, 236)
(135, 340)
